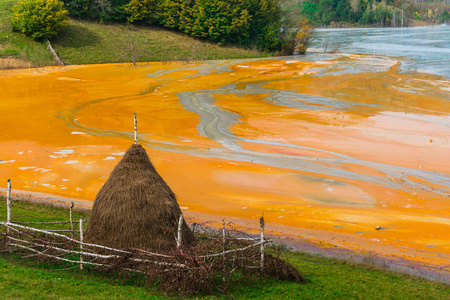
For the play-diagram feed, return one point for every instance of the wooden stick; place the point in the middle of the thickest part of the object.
(8, 204)
(261, 222)
(99, 255)
(76, 241)
(71, 261)
(81, 243)
(60, 230)
(62, 236)
(223, 250)
(71, 217)
(55, 55)
(135, 128)
(180, 226)
(57, 257)
(43, 223)
(193, 228)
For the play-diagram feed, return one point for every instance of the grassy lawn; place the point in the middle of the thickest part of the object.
(26, 278)
(85, 42)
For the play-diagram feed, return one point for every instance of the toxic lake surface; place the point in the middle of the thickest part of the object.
(328, 147)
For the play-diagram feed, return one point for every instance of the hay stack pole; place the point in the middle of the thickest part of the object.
(180, 227)
(135, 128)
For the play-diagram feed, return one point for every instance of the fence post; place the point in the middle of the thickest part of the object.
(81, 243)
(223, 248)
(71, 218)
(180, 226)
(8, 204)
(261, 222)
(8, 210)
(193, 228)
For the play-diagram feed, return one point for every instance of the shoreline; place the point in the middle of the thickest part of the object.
(24, 64)
(414, 23)
(277, 232)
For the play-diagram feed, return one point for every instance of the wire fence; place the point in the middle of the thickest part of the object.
(218, 257)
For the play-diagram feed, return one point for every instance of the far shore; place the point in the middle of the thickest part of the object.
(414, 23)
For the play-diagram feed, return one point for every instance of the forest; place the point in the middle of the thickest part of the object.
(379, 13)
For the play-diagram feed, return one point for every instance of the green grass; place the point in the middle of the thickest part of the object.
(27, 278)
(16, 45)
(85, 42)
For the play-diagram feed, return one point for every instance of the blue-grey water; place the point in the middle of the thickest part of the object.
(421, 49)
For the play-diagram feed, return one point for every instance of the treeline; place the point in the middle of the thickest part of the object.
(247, 23)
(384, 13)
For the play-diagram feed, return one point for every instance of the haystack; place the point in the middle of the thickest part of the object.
(136, 208)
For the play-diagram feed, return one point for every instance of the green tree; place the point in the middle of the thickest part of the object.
(40, 19)
(171, 13)
(327, 11)
(143, 10)
(445, 16)
(77, 8)
(310, 10)
(343, 10)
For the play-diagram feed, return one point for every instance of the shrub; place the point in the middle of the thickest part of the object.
(304, 36)
(40, 19)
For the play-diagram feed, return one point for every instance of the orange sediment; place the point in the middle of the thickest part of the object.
(325, 156)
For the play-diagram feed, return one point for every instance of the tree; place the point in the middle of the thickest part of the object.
(40, 19)
(310, 10)
(327, 11)
(304, 37)
(77, 8)
(142, 10)
(296, 36)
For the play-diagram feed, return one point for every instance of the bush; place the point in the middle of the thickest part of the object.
(40, 19)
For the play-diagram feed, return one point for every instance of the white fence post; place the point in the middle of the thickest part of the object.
(8, 203)
(180, 226)
(8, 210)
(261, 222)
(81, 243)
(71, 218)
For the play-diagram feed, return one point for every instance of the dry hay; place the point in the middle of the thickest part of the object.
(7, 63)
(136, 208)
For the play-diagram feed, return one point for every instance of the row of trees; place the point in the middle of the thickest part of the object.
(395, 13)
(247, 23)
(257, 24)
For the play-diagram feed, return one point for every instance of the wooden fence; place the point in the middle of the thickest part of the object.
(68, 245)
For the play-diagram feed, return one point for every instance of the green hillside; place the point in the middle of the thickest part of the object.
(85, 42)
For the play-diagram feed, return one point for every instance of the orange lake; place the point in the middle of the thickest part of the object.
(327, 153)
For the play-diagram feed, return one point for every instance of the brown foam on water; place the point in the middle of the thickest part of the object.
(371, 151)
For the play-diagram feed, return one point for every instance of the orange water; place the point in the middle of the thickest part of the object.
(370, 149)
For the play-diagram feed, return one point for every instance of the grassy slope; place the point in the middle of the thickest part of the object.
(328, 279)
(25, 51)
(86, 42)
